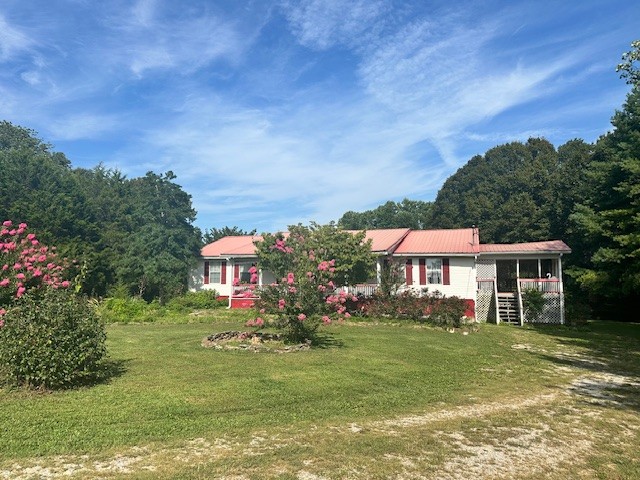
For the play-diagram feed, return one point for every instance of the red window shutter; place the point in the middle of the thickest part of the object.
(423, 271)
(409, 272)
(236, 273)
(206, 273)
(445, 272)
(223, 272)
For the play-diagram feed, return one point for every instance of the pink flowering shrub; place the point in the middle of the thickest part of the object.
(49, 336)
(26, 264)
(304, 298)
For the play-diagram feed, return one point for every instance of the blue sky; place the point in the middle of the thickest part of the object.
(278, 112)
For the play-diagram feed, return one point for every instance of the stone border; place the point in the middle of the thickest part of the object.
(255, 342)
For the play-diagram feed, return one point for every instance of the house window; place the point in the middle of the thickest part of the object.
(434, 271)
(242, 273)
(215, 271)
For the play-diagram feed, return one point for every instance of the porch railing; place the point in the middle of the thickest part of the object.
(364, 289)
(544, 285)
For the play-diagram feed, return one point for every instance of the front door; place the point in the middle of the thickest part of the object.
(506, 271)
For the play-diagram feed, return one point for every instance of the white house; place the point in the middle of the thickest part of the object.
(490, 277)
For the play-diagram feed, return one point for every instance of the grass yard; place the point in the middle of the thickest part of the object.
(377, 401)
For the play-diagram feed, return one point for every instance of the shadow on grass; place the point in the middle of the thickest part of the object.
(108, 370)
(608, 352)
(326, 340)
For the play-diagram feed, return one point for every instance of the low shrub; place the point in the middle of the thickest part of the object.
(421, 307)
(125, 310)
(54, 339)
(203, 300)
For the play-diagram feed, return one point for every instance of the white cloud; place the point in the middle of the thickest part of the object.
(12, 40)
(145, 40)
(321, 24)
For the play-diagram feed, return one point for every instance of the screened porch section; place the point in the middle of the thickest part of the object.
(503, 284)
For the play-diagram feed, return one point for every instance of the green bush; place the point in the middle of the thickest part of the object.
(203, 300)
(424, 307)
(125, 310)
(533, 303)
(51, 340)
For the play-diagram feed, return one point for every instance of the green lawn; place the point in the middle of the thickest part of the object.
(341, 410)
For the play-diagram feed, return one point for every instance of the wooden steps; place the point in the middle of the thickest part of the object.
(508, 308)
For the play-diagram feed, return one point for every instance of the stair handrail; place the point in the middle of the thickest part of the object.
(520, 312)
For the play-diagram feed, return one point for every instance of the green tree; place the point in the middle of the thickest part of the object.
(414, 214)
(163, 242)
(508, 193)
(609, 219)
(628, 68)
(213, 234)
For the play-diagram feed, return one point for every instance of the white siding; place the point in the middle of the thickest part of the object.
(462, 276)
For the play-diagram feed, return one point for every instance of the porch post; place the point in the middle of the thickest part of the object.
(519, 292)
(561, 286)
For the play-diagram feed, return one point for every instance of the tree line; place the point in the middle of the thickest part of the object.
(132, 235)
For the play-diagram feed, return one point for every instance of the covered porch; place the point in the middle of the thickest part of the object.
(507, 279)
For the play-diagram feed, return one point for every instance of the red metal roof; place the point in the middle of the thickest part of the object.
(417, 242)
(384, 240)
(230, 246)
(439, 241)
(548, 246)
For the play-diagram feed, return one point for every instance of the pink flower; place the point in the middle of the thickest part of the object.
(253, 269)
(323, 266)
(34, 242)
(7, 223)
(347, 315)
(31, 236)
(331, 284)
(5, 267)
(42, 258)
(37, 273)
(4, 282)
(322, 288)
(332, 263)
(22, 225)
(290, 278)
(17, 266)
(292, 290)
(259, 322)
(20, 292)
(281, 304)
(20, 276)
(65, 284)
(2, 311)
(326, 320)
(302, 317)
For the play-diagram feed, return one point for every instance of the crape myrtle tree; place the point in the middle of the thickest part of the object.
(310, 264)
(49, 336)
